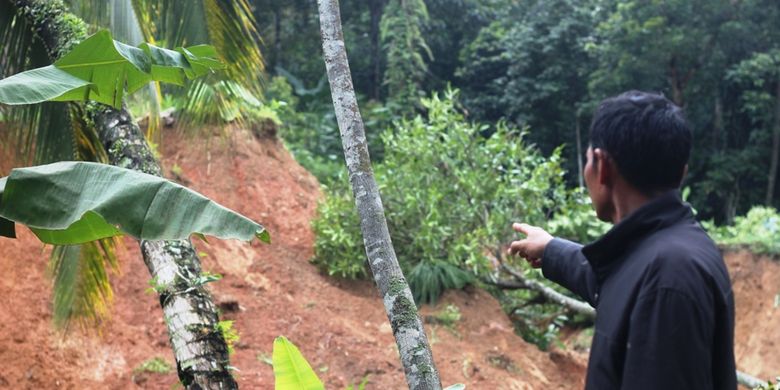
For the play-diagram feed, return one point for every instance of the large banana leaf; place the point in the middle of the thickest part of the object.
(69, 203)
(101, 69)
(291, 370)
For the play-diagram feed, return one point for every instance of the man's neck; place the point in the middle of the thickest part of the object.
(626, 200)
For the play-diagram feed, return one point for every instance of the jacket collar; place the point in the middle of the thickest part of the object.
(666, 210)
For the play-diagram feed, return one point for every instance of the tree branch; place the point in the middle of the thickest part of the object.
(551, 295)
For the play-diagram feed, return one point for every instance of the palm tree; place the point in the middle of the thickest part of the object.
(37, 32)
(229, 26)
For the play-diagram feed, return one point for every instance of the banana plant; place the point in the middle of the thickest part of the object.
(40, 29)
(104, 70)
(293, 372)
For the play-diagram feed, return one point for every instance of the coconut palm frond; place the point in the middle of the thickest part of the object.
(34, 134)
(87, 142)
(17, 38)
(120, 17)
(96, 13)
(213, 102)
(126, 27)
(231, 29)
(82, 293)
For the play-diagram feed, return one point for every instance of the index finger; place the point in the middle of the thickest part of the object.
(522, 228)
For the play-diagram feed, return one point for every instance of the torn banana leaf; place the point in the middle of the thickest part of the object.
(71, 202)
(102, 69)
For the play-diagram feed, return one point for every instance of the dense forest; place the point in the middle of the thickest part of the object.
(543, 65)
(476, 112)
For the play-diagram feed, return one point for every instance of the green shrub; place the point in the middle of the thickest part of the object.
(576, 220)
(156, 365)
(759, 231)
(450, 194)
(311, 133)
(338, 248)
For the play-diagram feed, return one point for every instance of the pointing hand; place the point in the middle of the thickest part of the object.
(532, 247)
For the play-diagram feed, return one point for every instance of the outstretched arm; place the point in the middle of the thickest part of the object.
(561, 261)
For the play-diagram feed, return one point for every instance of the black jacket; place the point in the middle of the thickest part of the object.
(665, 312)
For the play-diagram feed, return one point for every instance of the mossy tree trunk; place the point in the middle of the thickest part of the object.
(413, 346)
(199, 347)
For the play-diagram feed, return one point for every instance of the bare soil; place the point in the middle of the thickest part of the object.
(272, 290)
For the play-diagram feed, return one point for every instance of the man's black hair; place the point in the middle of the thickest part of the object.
(647, 136)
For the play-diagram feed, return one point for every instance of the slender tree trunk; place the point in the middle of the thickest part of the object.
(410, 337)
(579, 150)
(770, 188)
(277, 36)
(375, 9)
(199, 347)
(718, 126)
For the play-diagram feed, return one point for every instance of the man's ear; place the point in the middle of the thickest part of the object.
(605, 167)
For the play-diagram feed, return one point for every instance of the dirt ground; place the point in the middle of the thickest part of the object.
(272, 290)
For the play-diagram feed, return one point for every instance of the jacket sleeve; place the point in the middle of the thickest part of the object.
(564, 263)
(668, 343)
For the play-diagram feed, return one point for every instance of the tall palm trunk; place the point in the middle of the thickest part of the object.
(413, 346)
(199, 348)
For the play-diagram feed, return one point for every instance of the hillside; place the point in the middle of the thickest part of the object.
(272, 290)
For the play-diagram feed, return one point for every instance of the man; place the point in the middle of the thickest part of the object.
(665, 311)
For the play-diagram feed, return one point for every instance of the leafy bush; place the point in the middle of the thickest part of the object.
(759, 231)
(576, 220)
(156, 365)
(450, 195)
(310, 132)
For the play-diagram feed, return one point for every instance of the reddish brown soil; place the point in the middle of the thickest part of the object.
(756, 284)
(339, 326)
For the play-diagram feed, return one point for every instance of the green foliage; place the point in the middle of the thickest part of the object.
(576, 220)
(769, 385)
(81, 288)
(227, 25)
(759, 231)
(546, 63)
(757, 76)
(360, 386)
(100, 68)
(291, 370)
(338, 248)
(77, 202)
(404, 43)
(529, 67)
(230, 334)
(156, 365)
(458, 206)
(448, 316)
(429, 279)
(536, 324)
(311, 136)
